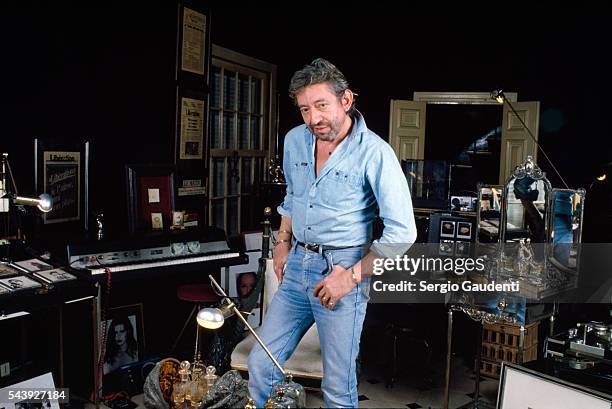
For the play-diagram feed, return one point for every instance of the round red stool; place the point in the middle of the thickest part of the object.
(200, 295)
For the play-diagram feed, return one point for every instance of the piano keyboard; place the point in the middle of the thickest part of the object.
(164, 263)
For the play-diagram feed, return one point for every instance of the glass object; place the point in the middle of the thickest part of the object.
(181, 391)
(215, 130)
(256, 96)
(279, 401)
(232, 216)
(243, 93)
(228, 130)
(255, 132)
(566, 226)
(217, 214)
(218, 174)
(245, 179)
(215, 99)
(198, 385)
(428, 181)
(229, 89)
(291, 390)
(243, 131)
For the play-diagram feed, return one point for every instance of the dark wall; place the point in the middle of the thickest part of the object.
(105, 73)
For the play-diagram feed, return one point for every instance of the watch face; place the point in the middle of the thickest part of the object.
(193, 246)
(177, 248)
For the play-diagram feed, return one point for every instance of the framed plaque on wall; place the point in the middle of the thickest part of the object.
(62, 170)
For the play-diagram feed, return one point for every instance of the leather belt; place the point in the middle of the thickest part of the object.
(319, 248)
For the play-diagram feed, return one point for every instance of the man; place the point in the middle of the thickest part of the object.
(338, 172)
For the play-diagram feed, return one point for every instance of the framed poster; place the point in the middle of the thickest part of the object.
(192, 125)
(150, 196)
(62, 171)
(124, 337)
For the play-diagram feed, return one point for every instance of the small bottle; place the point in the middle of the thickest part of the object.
(198, 388)
(210, 379)
(181, 390)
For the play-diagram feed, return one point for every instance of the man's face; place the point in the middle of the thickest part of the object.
(246, 285)
(323, 111)
(120, 335)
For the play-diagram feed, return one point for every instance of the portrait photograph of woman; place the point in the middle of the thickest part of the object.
(124, 341)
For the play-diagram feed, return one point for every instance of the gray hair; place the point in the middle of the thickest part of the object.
(320, 71)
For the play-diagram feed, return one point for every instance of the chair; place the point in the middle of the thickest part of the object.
(200, 295)
(305, 363)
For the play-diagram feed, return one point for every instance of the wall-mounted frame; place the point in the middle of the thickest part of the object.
(62, 170)
(150, 189)
(520, 387)
(193, 44)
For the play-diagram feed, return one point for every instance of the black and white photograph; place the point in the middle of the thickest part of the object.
(7, 270)
(447, 229)
(54, 276)
(462, 248)
(19, 283)
(34, 265)
(447, 247)
(464, 230)
(124, 337)
(463, 203)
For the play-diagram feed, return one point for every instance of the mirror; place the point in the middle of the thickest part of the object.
(488, 212)
(566, 226)
(526, 205)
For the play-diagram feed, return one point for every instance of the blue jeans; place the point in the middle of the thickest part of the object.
(291, 313)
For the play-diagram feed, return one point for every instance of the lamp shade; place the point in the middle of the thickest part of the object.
(213, 318)
(44, 202)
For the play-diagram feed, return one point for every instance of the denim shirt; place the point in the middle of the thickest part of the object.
(337, 208)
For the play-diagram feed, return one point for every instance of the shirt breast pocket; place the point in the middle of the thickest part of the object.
(299, 177)
(342, 187)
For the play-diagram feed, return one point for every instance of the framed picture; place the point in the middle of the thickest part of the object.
(124, 337)
(7, 270)
(62, 170)
(447, 247)
(34, 265)
(447, 228)
(18, 283)
(462, 248)
(464, 230)
(39, 383)
(240, 283)
(193, 53)
(520, 387)
(55, 276)
(150, 193)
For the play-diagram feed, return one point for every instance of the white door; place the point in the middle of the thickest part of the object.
(407, 129)
(516, 143)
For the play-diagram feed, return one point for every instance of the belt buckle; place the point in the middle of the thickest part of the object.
(312, 247)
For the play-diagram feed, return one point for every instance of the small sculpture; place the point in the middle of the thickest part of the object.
(275, 171)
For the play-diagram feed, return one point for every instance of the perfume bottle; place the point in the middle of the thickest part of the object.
(181, 390)
(198, 388)
(210, 379)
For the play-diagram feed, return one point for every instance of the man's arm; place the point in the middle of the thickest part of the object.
(282, 247)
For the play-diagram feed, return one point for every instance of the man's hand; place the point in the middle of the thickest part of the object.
(281, 251)
(333, 287)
